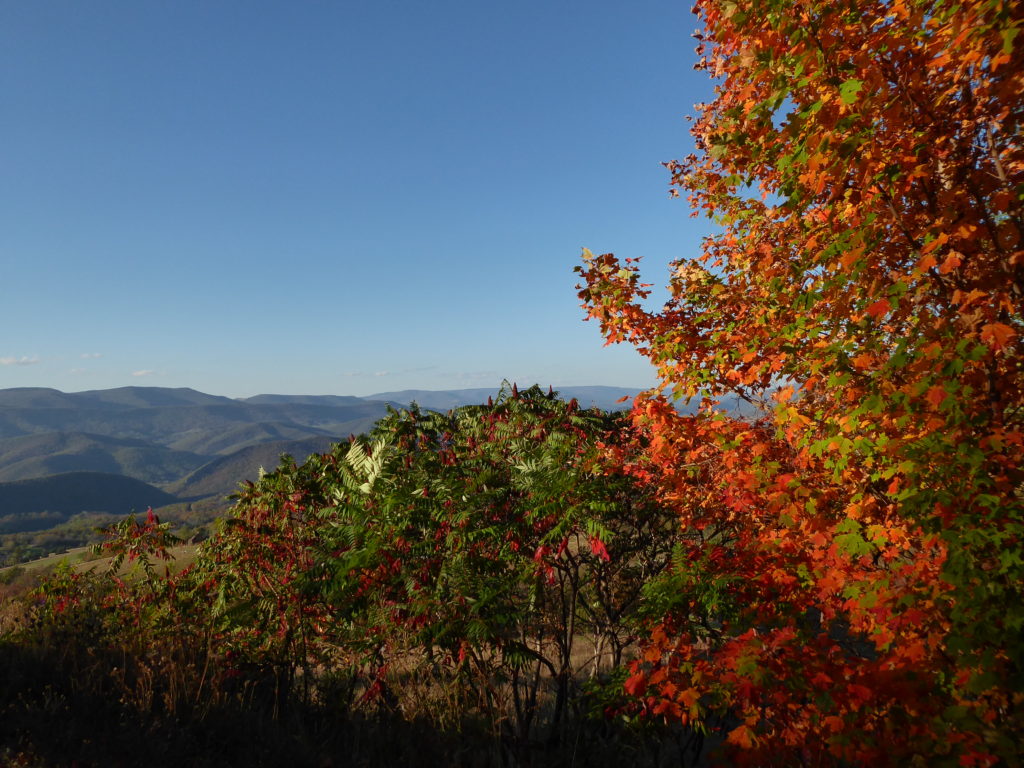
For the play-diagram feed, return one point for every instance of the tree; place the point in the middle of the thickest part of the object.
(472, 556)
(857, 593)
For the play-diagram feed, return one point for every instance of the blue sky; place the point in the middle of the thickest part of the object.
(331, 197)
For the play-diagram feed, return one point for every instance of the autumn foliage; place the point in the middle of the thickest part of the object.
(856, 593)
(830, 574)
(474, 579)
(482, 557)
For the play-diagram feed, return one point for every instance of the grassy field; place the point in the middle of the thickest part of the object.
(82, 559)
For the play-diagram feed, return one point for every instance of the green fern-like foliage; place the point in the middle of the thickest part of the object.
(486, 547)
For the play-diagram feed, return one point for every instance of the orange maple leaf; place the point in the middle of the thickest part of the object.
(834, 723)
(997, 335)
(936, 396)
(689, 697)
(951, 262)
(743, 736)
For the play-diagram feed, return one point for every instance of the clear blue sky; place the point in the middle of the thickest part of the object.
(339, 197)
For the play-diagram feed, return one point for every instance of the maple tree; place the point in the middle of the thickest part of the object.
(855, 592)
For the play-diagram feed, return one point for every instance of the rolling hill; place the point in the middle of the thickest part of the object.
(222, 476)
(192, 443)
(69, 459)
(68, 494)
(605, 398)
(182, 420)
(53, 453)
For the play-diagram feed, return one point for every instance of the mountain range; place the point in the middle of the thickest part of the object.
(180, 444)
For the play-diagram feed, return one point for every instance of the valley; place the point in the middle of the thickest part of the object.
(71, 462)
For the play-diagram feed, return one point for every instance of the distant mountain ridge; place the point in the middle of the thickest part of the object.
(320, 400)
(225, 474)
(68, 494)
(121, 397)
(193, 444)
(183, 420)
(52, 453)
(606, 398)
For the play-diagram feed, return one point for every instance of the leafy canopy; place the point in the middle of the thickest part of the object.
(865, 164)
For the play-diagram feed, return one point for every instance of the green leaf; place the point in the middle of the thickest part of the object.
(1008, 35)
(850, 539)
(849, 89)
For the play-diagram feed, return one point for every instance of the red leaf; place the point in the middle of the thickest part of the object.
(935, 397)
(636, 685)
(880, 308)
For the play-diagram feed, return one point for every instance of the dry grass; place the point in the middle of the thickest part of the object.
(81, 559)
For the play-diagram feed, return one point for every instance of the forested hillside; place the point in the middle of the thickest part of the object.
(160, 435)
(198, 449)
(73, 492)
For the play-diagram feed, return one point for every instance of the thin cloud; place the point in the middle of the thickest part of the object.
(146, 372)
(90, 355)
(23, 360)
(403, 372)
(475, 375)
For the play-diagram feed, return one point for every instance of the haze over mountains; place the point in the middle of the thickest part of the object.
(186, 444)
